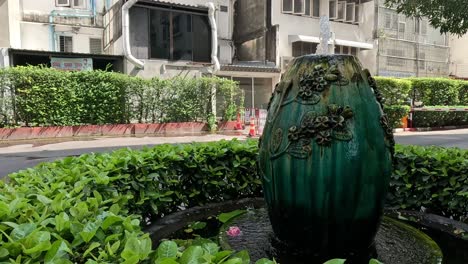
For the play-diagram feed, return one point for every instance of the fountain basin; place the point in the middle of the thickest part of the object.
(399, 245)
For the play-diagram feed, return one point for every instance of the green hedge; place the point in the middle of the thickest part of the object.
(439, 119)
(38, 96)
(395, 91)
(395, 113)
(92, 208)
(433, 177)
(436, 91)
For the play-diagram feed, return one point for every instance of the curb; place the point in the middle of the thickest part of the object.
(425, 129)
(25, 133)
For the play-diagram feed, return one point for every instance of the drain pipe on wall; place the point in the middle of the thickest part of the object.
(214, 55)
(61, 13)
(126, 35)
(214, 37)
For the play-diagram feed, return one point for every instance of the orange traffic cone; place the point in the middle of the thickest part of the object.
(238, 124)
(252, 127)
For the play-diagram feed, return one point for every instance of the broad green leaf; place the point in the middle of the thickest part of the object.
(36, 242)
(264, 261)
(166, 261)
(89, 231)
(93, 246)
(374, 261)
(4, 209)
(4, 252)
(167, 249)
(244, 255)
(225, 217)
(22, 231)
(336, 261)
(110, 220)
(62, 222)
(191, 255)
(233, 261)
(211, 248)
(57, 251)
(222, 255)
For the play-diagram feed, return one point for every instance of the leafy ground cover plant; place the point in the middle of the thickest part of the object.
(92, 208)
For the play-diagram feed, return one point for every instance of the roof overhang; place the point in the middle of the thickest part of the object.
(342, 42)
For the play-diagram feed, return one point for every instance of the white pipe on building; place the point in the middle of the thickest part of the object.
(126, 35)
(214, 37)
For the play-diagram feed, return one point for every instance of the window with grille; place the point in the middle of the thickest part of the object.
(178, 35)
(79, 3)
(287, 6)
(423, 27)
(65, 44)
(350, 12)
(95, 46)
(341, 10)
(303, 48)
(388, 21)
(396, 62)
(356, 13)
(422, 61)
(299, 7)
(316, 8)
(308, 7)
(401, 30)
(333, 9)
(62, 2)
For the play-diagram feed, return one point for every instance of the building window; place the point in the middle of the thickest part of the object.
(95, 46)
(422, 61)
(301, 7)
(333, 9)
(71, 3)
(65, 44)
(179, 36)
(341, 10)
(303, 48)
(287, 6)
(398, 59)
(316, 8)
(79, 4)
(401, 30)
(62, 2)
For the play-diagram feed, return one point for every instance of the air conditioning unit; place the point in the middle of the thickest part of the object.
(285, 61)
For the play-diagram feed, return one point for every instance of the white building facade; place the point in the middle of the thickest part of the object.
(250, 41)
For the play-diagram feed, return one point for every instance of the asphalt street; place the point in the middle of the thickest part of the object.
(13, 158)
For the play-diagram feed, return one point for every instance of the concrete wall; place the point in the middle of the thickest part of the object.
(4, 31)
(36, 36)
(367, 24)
(459, 56)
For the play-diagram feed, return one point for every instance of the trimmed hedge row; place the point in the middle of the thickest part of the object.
(429, 91)
(38, 96)
(92, 208)
(439, 119)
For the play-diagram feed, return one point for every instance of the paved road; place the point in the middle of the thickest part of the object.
(14, 158)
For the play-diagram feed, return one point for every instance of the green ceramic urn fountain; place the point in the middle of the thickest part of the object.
(326, 156)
